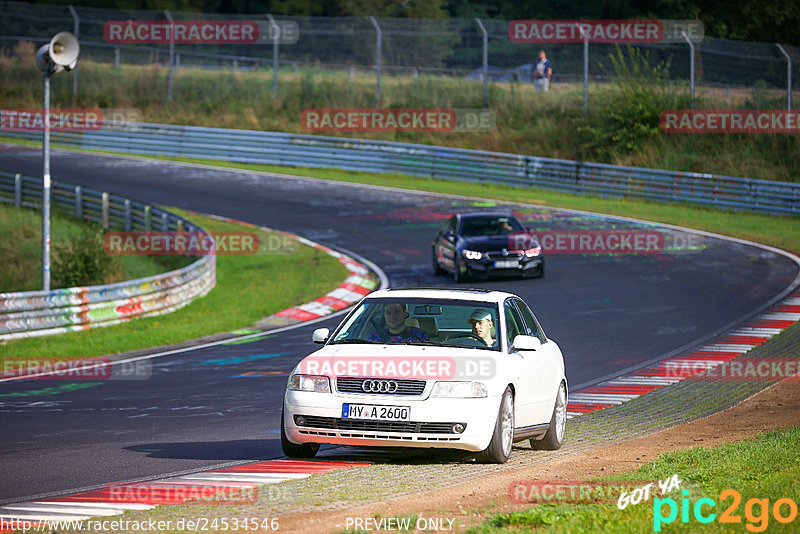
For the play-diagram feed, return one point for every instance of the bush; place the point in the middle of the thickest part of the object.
(628, 117)
(82, 260)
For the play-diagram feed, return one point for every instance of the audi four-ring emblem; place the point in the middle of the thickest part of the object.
(379, 386)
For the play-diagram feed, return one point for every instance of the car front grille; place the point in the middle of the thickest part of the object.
(498, 255)
(404, 387)
(379, 426)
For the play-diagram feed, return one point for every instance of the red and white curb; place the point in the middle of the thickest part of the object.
(360, 283)
(221, 486)
(722, 349)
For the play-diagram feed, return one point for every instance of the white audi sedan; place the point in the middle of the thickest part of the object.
(436, 368)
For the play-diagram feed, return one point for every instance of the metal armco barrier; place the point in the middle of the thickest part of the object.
(40, 313)
(246, 146)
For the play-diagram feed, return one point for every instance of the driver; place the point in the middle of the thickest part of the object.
(395, 314)
(481, 321)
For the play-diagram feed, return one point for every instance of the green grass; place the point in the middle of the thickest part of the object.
(249, 287)
(617, 130)
(21, 251)
(764, 467)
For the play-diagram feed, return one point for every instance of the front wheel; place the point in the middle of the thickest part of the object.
(292, 450)
(499, 449)
(458, 276)
(437, 269)
(558, 424)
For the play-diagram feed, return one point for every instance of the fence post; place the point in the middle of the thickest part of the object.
(76, 31)
(485, 63)
(104, 210)
(18, 190)
(171, 54)
(379, 38)
(691, 67)
(585, 68)
(148, 218)
(164, 221)
(78, 202)
(275, 37)
(127, 215)
(788, 77)
(177, 63)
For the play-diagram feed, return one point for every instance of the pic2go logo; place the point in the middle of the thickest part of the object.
(756, 511)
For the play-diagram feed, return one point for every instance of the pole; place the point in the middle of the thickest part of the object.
(46, 187)
(171, 54)
(77, 28)
(788, 78)
(585, 68)
(691, 68)
(275, 37)
(485, 63)
(378, 59)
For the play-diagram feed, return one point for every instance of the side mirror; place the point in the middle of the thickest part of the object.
(320, 335)
(526, 343)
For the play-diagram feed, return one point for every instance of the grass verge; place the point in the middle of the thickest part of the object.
(621, 126)
(21, 252)
(765, 468)
(249, 287)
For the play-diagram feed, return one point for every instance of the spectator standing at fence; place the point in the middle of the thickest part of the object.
(542, 73)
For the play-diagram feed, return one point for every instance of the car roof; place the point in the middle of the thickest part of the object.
(482, 295)
(496, 213)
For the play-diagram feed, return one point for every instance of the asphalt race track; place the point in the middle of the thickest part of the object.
(220, 404)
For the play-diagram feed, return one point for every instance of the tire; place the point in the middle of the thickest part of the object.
(558, 424)
(292, 450)
(437, 269)
(540, 274)
(499, 449)
(458, 277)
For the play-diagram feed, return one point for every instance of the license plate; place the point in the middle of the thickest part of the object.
(377, 413)
(506, 264)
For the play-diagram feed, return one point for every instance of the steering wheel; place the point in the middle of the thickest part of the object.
(469, 335)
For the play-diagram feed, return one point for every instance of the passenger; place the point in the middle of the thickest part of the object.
(481, 321)
(395, 315)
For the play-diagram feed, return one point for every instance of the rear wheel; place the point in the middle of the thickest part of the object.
(499, 449)
(292, 450)
(558, 424)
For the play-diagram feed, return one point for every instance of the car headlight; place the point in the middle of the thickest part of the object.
(299, 382)
(459, 389)
(473, 254)
(533, 252)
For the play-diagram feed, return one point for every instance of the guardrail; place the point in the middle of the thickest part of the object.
(577, 177)
(39, 313)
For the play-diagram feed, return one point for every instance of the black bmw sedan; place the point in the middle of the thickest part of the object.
(484, 244)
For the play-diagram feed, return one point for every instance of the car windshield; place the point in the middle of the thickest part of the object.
(441, 322)
(489, 225)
